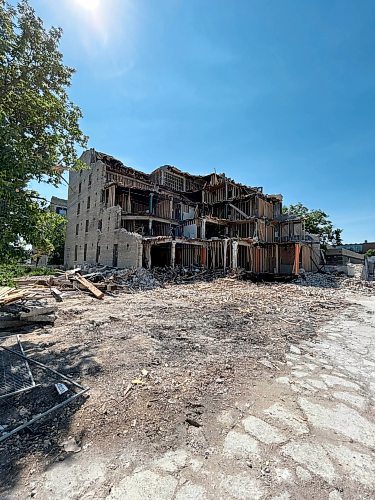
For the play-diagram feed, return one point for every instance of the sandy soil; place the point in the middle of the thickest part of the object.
(237, 390)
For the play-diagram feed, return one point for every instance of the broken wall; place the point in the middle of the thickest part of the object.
(118, 247)
(84, 211)
(94, 234)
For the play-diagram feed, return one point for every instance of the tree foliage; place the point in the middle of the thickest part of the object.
(370, 253)
(39, 125)
(316, 222)
(9, 272)
(49, 237)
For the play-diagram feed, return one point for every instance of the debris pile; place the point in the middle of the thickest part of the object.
(322, 280)
(57, 286)
(9, 295)
(182, 274)
(319, 280)
(355, 284)
(18, 309)
(131, 279)
(98, 281)
(109, 279)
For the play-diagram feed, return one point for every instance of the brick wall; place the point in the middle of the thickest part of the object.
(92, 229)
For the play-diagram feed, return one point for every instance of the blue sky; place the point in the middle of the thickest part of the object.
(279, 94)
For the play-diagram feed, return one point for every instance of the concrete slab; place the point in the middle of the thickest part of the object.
(359, 466)
(241, 487)
(172, 461)
(287, 417)
(145, 485)
(313, 457)
(342, 419)
(240, 445)
(262, 430)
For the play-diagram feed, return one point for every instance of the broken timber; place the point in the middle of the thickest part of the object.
(9, 295)
(87, 284)
(57, 294)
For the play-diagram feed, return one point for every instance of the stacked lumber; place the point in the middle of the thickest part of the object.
(21, 314)
(34, 280)
(69, 280)
(9, 295)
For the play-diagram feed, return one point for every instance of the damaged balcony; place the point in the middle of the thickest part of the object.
(149, 225)
(143, 211)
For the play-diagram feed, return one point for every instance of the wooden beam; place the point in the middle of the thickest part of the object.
(13, 297)
(239, 211)
(90, 286)
(57, 294)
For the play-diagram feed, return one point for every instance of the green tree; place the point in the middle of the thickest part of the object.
(370, 253)
(39, 125)
(316, 222)
(49, 237)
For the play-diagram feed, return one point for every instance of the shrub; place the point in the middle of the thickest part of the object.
(8, 273)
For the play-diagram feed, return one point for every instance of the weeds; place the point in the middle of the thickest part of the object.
(8, 272)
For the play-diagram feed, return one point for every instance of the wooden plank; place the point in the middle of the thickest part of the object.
(239, 211)
(72, 271)
(62, 282)
(33, 280)
(90, 286)
(57, 294)
(12, 297)
(5, 290)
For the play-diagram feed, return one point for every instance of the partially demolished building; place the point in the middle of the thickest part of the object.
(122, 217)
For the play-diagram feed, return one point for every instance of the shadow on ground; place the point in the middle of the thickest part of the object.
(44, 438)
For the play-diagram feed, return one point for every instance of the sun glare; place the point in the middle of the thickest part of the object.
(90, 5)
(98, 20)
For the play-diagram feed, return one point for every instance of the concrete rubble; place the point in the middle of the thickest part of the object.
(339, 281)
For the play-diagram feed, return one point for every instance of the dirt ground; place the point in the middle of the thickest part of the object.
(227, 389)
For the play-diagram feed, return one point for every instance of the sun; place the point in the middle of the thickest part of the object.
(89, 5)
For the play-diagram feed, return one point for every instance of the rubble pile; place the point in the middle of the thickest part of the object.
(99, 281)
(325, 280)
(25, 313)
(22, 307)
(149, 279)
(182, 274)
(359, 285)
(133, 279)
(318, 280)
